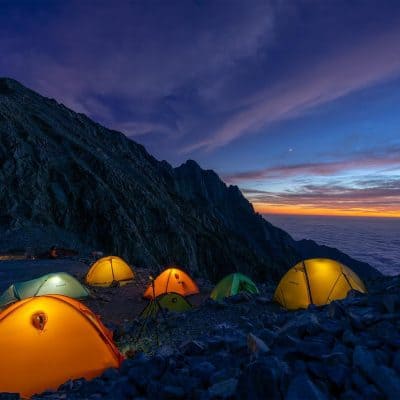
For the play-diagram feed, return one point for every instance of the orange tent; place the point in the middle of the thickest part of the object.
(172, 280)
(47, 340)
(107, 270)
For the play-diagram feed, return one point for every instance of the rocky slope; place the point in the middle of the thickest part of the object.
(67, 180)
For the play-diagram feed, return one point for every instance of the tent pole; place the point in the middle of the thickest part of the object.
(347, 280)
(40, 286)
(308, 283)
(112, 269)
(333, 287)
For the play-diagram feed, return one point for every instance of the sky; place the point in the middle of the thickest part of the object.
(296, 102)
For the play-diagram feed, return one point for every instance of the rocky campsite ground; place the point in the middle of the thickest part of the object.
(249, 347)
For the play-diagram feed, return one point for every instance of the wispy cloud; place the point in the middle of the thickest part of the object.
(389, 159)
(336, 75)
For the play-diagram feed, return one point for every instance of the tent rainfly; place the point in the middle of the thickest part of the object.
(233, 284)
(54, 283)
(316, 281)
(109, 270)
(48, 340)
(172, 280)
(172, 302)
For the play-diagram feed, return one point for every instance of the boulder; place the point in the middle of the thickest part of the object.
(263, 379)
(364, 360)
(256, 345)
(192, 347)
(172, 392)
(224, 389)
(204, 370)
(387, 380)
(301, 387)
(396, 361)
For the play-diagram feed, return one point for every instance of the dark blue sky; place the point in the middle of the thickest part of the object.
(297, 102)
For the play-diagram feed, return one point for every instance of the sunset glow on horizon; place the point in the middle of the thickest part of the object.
(304, 210)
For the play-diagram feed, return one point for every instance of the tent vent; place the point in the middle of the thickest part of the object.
(39, 320)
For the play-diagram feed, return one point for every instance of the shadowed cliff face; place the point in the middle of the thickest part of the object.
(70, 181)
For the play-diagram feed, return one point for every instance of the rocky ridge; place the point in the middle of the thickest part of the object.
(69, 181)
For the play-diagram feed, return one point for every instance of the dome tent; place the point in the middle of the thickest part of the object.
(54, 283)
(172, 280)
(316, 281)
(107, 270)
(47, 340)
(173, 302)
(233, 284)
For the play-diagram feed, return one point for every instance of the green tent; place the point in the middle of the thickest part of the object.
(171, 301)
(54, 283)
(233, 284)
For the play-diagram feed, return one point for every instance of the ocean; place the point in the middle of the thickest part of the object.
(373, 240)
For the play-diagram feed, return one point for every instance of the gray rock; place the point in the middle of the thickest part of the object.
(301, 387)
(241, 297)
(387, 380)
(338, 374)
(396, 361)
(215, 342)
(332, 326)
(267, 335)
(263, 379)
(390, 302)
(335, 310)
(192, 347)
(173, 392)
(236, 343)
(335, 358)
(349, 338)
(224, 389)
(110, 374)
(381, 357)
(204, 370)
(224, 374)
(262, 300)
(305, 323)
(95, 396)
(165, 351)
(364, 360)
(256, 345)
(314, 346)
(122, 389)
(358, 380)
(351, 395)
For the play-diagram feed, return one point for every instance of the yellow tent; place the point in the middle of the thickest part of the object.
(107, 270)
(47, 340)
(316, 281)
(172, 280)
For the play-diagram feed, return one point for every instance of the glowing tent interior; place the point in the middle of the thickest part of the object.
(47, 340)
(172, 280)
(316, 281)
(108, 270)
(54, 283)
(233, 284)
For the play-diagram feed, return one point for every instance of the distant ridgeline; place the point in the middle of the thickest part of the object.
(69, 181)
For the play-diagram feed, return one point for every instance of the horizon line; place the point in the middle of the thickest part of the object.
(263, 210)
